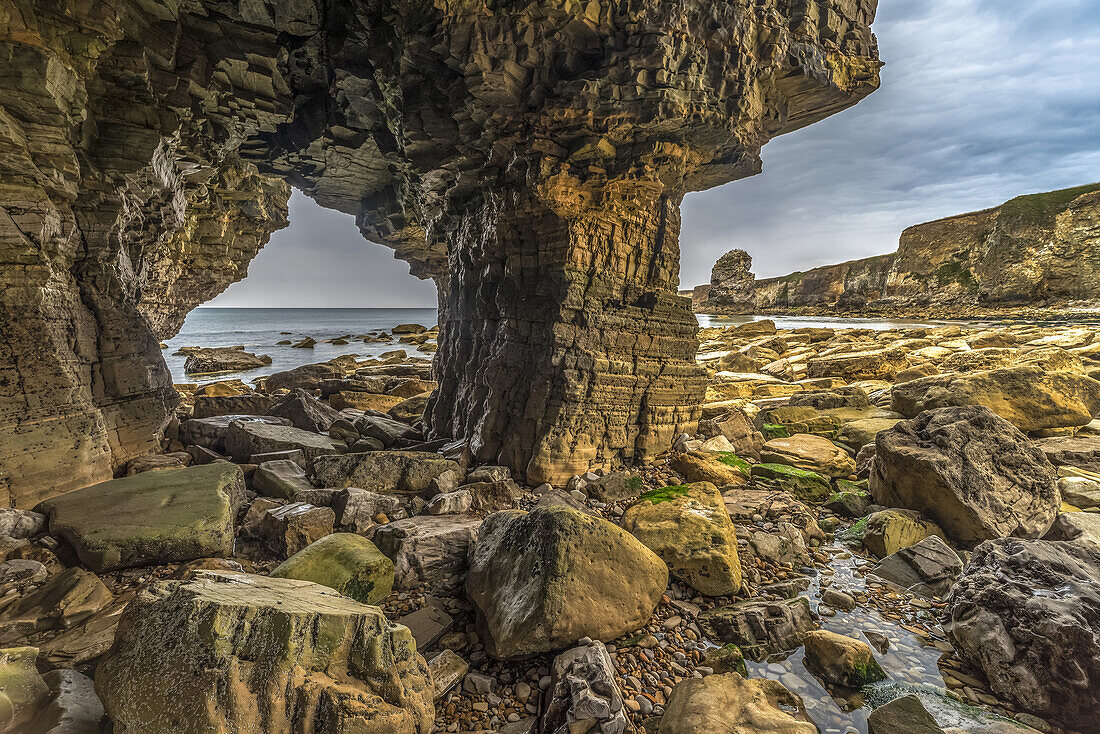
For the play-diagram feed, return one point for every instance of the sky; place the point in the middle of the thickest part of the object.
(981, 100)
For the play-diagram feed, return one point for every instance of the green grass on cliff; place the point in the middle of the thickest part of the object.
(1041, 208)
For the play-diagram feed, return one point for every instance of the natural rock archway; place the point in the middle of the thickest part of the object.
(529, 156)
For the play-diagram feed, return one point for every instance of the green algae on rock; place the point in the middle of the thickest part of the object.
(346, 562)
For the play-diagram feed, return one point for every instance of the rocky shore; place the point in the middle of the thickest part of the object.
(871, 531)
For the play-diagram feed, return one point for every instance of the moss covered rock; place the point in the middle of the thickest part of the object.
(689, 528)
(805, 485)
(347, 562)
(542, 580)
(153, 517)
(840, 660)
(237, 652)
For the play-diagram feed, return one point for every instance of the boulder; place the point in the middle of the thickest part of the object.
(969, 470)
(1081, 452)
(882, 364)
(70, 706)
(809, 452)
(63, 602)
(741, 433)
(840, 660)
(170, 516)
(927, 568)
(283, 479)
(805, 485)
(698, 466)
(1080, 492)
(784, 545)
(615, 487)
(689, 528)
(542, 580)
(245, 438)
(245, 653)
(383, 429)
(584, 695)
(222, 359)
(1027, 614)
(410, 410)
(731, 704)
(1080, 527)
(860, 433)
(427, 550)
(390, 472)
(888, 531)
(346, 562)
(1029, 397)
(360, 400)
(157, 462)
(759, 627)
(358, 509)
(304, 411)
(288, 529)
(905, 715)
(308, 376)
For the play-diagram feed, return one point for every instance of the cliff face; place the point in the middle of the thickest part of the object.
(1041, 250)
(530, 157)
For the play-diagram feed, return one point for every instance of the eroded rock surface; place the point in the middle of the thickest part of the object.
(531, 158)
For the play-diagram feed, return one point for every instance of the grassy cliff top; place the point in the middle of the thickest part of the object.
(1039, 208)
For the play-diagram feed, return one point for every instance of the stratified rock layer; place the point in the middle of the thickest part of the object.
(531, 157)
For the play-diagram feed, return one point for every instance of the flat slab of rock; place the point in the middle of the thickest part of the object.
(970, 471)
(346, 562)
(209, 406)
(1082, 452)
(210, 432)
(395, 472)
(542, 580)
(155, 517)
(809, 452)
(1027, 614)
(246, 438)
(264, 655)
(1031, 398)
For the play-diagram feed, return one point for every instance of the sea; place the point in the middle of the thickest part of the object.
(259, 329)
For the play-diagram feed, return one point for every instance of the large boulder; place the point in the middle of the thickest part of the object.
(308, 376)
(689, 528)
(1027, 614)
(428, 550)
(699, 466)
(731, 704)
(154, 517)
(246, 438)
(1030, 397)
(840, 660)
(968, 469)
(395, 472)
(809, 452)
(542, 580)
(346, 562)
(233, 652)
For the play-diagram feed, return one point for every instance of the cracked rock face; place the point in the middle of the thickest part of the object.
(530, 157)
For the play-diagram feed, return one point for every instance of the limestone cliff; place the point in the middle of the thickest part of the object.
(1034, 251)
(531, 157)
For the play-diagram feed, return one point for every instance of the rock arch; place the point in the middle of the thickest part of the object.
(528, 156)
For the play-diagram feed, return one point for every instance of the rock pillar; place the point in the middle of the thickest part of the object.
(565, 346)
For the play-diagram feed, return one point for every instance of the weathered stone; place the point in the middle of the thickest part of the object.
(860, 433)
(882, 364)
(542, 580)
(22, 690)
(583, 694)
(840, 660)
(283, 479)
(157, 462)
(211, 406)
(386, 430)
(969, 470)
(64, 601)
(210, 432)
(356, 508)
(428, 551)
(1082, 493)
(155, 517)
(734, 705)
(346, 562)
(1079, 527)
(290, 528)
(304, 411)
(307, 377)
(905, 715)
(928, 567)
(731, 285)
(1029, 397)
(1081, 452)
(427, 624)
(261, 655)
(1027, 614)
(759, 628)
(689, 528)
(805, 485)
(784, 545)
(245, 438)
(394, 472)
(888, 531)
(809, 452)
(21, 523)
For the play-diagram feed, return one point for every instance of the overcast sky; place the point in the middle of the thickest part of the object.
(981, 100)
